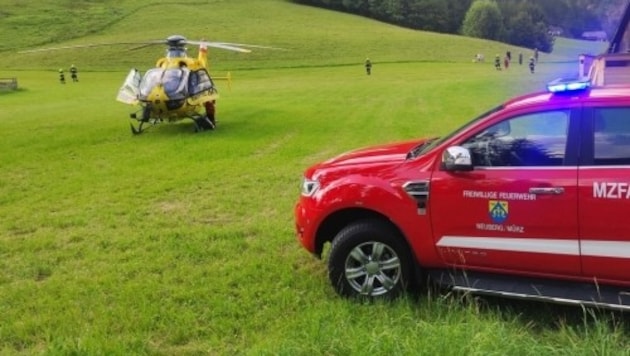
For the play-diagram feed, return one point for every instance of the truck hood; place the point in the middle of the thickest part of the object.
(368, 158)
(392, 152)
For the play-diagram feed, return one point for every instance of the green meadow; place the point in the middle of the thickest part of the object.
(181, 243)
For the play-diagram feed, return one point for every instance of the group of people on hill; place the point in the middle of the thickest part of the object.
(533, 60)
(74, 74)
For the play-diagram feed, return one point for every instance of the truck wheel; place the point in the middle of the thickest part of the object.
(368, 259)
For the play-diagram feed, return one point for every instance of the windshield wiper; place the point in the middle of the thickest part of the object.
(416, 151)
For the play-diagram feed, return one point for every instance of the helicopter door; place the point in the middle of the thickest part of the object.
(200, 81)
(130, 89)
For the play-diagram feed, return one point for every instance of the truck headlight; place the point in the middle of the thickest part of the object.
(309, 186)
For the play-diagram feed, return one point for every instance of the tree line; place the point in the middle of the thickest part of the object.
(526, 23)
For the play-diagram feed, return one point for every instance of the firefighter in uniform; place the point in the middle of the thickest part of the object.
(74, 73)
(497, 62)
(532, 64)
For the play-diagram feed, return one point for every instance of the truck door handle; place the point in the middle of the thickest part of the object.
(547, 191)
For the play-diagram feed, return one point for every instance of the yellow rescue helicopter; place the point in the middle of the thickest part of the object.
(179, 87)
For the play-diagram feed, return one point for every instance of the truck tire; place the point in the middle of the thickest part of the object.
(369, 260)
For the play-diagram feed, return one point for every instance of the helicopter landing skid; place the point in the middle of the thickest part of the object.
(203, 123)
(136, 131)
(144, 119)
(140, 128)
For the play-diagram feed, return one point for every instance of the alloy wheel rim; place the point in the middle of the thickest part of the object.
(372, 268)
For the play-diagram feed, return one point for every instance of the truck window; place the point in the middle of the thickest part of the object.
(611, 136)
(537, 139)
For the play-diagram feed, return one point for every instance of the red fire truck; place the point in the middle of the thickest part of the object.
(528, 200)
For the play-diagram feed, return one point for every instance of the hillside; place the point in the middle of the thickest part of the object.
(311, 36)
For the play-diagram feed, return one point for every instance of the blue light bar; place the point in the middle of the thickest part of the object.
(568, 86)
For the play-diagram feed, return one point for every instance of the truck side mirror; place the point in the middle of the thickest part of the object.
(456, 158)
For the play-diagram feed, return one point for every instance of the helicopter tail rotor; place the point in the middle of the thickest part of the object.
(227, 77)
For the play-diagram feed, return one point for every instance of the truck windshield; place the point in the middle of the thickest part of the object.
(430, 144)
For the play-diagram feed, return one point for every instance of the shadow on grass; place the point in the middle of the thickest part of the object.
(555, 316)
(4, 91)
(538, 316)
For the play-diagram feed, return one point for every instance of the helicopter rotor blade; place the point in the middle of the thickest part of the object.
(221, 45)
(253, 46)
(239, 47)
(57, 48)
(90, 45)
(175, 40)
(144, 45)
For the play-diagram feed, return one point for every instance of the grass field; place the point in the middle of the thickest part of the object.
(174, 242)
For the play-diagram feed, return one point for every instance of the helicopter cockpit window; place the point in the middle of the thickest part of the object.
(199, 81)
(174, 80)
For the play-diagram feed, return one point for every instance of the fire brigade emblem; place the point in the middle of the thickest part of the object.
(498, 210)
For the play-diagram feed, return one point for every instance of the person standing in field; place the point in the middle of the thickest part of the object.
(62, 77)
(368, 66)
(497, 62)
(532, 64)
(74, 73)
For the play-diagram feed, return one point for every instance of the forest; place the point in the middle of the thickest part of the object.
(527, 23)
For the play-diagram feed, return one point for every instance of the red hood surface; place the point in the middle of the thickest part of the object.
(386, 153)
(365, 159)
